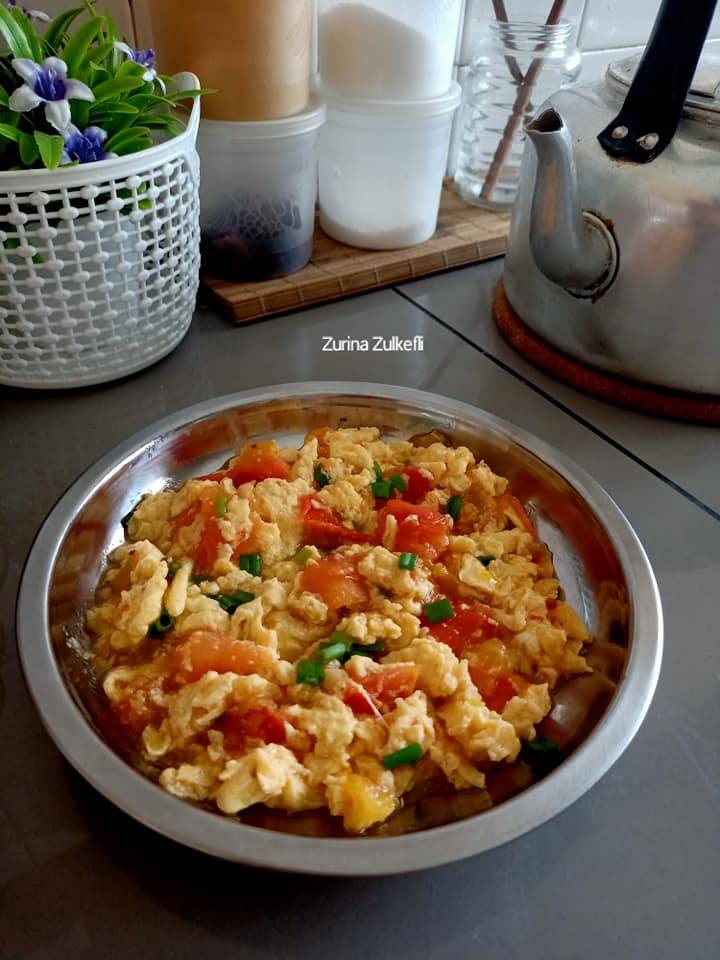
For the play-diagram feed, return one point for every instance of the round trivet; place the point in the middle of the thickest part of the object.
(626, 393)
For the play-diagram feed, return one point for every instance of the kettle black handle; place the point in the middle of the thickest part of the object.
(651, 112)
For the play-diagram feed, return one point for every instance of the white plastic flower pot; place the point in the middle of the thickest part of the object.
(99, 263)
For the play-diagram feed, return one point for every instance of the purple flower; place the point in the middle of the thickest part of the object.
(146, 58)
(31, 14)
(85, 146)
(49, 85)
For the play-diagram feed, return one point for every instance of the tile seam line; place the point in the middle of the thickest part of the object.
(714, 514)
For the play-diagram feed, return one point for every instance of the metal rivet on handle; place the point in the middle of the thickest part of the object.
(619, 133)
(648, 141)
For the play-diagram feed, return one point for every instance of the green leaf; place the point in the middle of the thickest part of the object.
(101, 52)
(29, 151)
(129, 141)
(171, 125)
(187, 94)
(8, 132)
(129, 68)
(120, 107)
(80, 113)
(116, 87)
(144, 100)
(14, 37)
(50, 147)
(77, 47)
(57, 29)
(111, 31)
(114, 123)
(4, 98)
(27, 28)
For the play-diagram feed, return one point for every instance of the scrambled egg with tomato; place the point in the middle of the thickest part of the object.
(325, 628)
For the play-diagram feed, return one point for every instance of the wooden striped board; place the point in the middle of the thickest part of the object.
(465, 235)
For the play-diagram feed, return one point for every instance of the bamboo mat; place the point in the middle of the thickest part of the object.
(465, 235)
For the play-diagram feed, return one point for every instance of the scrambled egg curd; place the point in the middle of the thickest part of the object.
(329, 627)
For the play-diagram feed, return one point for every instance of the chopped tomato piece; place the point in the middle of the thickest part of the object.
(514, 510)
(258, 461)
(206, 650)
(321, 434)
(420, 529)
(383, 687)
(491, 670)
(262, 723)
(503, 689)
(140, 708)
(471, 623)
(323, 529)
(206, 551)
(477, 510)
(417, 485)
(336, 581)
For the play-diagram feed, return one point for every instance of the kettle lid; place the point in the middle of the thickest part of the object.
(703, 99)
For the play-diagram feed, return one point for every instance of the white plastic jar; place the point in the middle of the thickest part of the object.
(258, 187)
(381, 168)
(387, 49)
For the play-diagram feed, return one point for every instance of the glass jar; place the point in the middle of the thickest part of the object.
(519, 65)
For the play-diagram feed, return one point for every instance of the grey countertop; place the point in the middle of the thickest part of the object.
(632, 870)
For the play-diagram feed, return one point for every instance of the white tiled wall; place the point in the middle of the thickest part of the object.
(612, 29)
(608, 29)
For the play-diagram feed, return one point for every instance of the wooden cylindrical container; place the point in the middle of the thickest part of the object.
(255, 53)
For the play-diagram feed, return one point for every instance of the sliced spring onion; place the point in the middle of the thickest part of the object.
(310, 672)
(231, 601)
(332, 651)
(163, 623)
(250, 563)
(303, 555)
(173, 568)
(542, 745)
(381, 489)
(409, 754)
(398, 481)
(337, 647)
(378, 470)
(320, 477)
(220, 507)
(454, 506)
(366, 649)
(486, 559)
(407, 561)
(439, 610)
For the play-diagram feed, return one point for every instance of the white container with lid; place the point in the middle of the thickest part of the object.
(387, 49)
(258, 188)
(381, 168)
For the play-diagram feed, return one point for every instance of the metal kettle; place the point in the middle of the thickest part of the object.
(614, 248)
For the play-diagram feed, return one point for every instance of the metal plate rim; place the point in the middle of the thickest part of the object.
(217, 836)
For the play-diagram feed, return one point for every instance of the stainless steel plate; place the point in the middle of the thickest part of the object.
(602, 565)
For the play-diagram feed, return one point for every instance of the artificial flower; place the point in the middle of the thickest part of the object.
(47, 84)
(30, 14)
(146, 58)
(85, 146)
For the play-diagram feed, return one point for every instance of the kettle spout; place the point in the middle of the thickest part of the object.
(571, 246)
